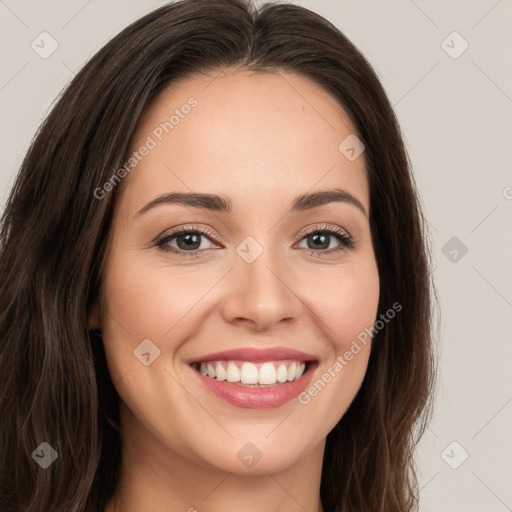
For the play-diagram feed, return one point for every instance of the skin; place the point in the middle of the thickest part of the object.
(261, 140)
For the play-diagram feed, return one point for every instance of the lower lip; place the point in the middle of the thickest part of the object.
(257, 398)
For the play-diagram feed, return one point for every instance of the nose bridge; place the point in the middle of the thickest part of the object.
(261, 290)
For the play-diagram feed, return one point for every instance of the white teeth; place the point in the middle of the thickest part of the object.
(220, 372)
(291, 371)
(233, 373)
(268, 374)
(249, 373)
(282, 373)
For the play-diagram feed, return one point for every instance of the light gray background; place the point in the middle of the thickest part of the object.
(455, 114)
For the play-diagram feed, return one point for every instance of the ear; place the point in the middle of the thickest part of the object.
(94, 317)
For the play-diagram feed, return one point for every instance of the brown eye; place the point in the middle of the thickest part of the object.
(319, 241)
(188, 241)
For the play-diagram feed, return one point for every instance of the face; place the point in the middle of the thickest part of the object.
(272, 271)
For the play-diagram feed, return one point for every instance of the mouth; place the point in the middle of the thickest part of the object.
(259, 379)
(254, 375)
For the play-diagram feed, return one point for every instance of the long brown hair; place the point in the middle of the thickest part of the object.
(54, 383)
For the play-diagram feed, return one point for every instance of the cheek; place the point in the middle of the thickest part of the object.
(135, 308)
(144, 301)
(346, 304)
(148, 301)
(346, 309)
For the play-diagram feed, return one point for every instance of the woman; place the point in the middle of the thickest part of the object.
(259, 370)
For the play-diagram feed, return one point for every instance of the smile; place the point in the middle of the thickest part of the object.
(225, 380)
(247, 373)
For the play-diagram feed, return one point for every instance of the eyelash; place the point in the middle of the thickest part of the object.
(346, 241)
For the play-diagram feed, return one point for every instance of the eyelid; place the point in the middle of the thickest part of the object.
(323, 227)
(206, 231)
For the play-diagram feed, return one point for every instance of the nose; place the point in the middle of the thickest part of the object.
(261, 294)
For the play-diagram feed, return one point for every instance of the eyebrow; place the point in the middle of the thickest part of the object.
(223, 204)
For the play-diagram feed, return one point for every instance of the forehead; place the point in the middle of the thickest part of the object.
(244, 135)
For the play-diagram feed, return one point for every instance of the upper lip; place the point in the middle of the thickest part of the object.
(256, 355)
